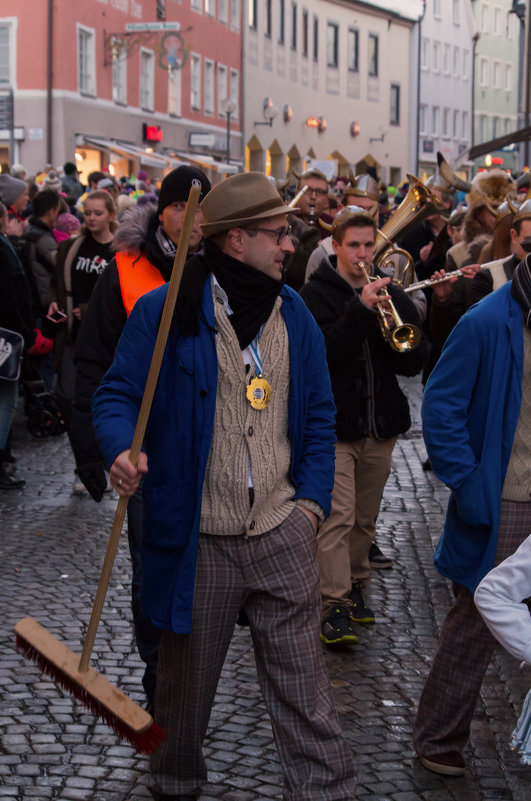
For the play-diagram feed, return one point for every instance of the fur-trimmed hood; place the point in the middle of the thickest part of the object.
(138, 224)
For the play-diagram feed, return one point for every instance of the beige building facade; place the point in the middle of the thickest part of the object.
(331, 81)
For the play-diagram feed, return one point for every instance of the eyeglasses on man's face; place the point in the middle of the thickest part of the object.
(319, 191)
(280, 233)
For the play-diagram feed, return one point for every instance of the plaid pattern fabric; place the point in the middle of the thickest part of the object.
(465, 649)
(274, 578)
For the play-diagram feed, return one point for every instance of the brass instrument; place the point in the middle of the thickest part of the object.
(404, 336)
(398, 264)
(419, 203)
(293, 203)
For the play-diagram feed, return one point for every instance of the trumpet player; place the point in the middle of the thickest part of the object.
(371, 410)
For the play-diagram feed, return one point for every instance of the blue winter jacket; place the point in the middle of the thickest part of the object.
(179, 433)
(470, 411)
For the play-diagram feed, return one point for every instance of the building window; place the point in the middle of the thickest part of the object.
(484, 18)
(197, 5)
(496, 127)
(253, 14)
(294, 26)
(425, 53)
(435, 120)
(332, 44)
(268, 18)
(455, 12)
(483, 128)
(222, 88)
(161, 9)
(455, 128)
(436, 65)
(456, 62)
(446, 122)
(235, 90)
(210, 8)
(353, 50)
(86, 61)
(305, 33)
(146, 79)
(464, 71)
(316, 39)
(483, 71)
(447, 50)
(195, 82)
(437, 9)
(281, 21)
(209, 87)
(5, 31)
(497, 22)
(174, 93)
(373, 54)
(394, 116)
(119, 77)
(508, 125)
(508, 77)
(223, 11)
(235, 15)
(423, 119)
(496, 74)
(464, 125)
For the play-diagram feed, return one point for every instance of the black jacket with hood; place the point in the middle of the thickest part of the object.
(363, 367)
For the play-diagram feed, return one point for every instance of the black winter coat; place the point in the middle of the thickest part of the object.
(363, 367)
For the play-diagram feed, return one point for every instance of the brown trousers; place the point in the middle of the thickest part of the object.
(361, 469)
(465, 649)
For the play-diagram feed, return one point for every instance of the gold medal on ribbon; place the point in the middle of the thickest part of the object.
(258, 392)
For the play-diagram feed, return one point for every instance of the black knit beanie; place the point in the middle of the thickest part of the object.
(177, 184)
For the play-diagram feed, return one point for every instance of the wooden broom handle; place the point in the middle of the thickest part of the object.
(143, 417)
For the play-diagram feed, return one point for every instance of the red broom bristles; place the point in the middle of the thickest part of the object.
(144, 742)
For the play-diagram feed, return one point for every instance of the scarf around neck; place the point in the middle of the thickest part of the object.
(251, 293)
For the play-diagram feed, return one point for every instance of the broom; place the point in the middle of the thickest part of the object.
(69, 670)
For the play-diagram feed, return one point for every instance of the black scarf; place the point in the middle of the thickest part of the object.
(250, 292)
(521, 288)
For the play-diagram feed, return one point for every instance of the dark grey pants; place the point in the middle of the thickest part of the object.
(274, 578)
(465, 649)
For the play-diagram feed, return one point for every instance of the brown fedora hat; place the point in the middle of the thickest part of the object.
(239, 200)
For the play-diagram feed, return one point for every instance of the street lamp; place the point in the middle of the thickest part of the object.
(270, 112)
(228, 106)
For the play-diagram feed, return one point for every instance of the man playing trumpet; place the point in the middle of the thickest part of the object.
(371, 410)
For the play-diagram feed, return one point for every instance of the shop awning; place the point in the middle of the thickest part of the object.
(163, 160)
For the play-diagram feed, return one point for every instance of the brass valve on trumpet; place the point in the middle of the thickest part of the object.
(400, 336)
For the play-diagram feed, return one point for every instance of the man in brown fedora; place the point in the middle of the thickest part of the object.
(238, 470)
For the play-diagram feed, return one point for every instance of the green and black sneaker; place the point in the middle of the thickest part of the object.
(336, 629)
(361, 612)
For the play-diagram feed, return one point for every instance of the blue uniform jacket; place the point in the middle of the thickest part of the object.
(179, 433)
(470, 411)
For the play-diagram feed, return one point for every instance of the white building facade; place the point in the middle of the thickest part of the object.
(445, 112)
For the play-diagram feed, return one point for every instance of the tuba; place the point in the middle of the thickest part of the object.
(419, 203)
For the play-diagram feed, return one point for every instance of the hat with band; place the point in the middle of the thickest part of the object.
(240, 200)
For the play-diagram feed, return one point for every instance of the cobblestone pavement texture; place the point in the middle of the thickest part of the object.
(52, 545)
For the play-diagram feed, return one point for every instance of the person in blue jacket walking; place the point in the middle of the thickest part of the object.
(238, 467)
(477, 423)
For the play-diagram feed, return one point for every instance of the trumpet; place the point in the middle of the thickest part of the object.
(403, 336)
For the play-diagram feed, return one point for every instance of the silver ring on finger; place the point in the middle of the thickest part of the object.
(120, 482)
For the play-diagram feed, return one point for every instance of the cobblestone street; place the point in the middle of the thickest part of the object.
(52, 545)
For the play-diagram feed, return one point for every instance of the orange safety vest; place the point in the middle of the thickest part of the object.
(137, 276)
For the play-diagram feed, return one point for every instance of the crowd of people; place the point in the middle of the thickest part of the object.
(274, 421)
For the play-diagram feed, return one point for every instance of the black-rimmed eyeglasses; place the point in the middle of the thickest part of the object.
(280, 233)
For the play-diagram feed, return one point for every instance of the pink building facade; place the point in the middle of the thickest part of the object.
(90, 83)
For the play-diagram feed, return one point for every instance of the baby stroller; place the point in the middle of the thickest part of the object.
(40, 406)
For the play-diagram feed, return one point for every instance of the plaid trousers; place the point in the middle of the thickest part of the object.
(465, 649)
(274, 578)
